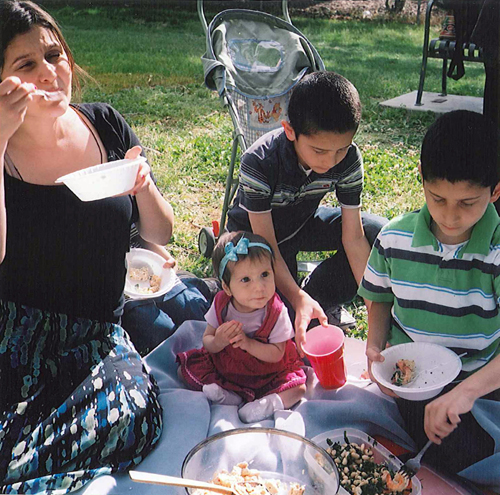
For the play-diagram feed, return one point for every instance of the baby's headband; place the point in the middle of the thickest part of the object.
(233, 251)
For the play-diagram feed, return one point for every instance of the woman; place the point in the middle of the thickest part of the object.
(75, 399)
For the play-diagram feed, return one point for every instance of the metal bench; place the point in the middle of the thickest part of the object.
(442, 49)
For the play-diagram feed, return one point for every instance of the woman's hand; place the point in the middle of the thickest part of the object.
(143, 178)
(373, 354)
(14, 99)
(306, 309)
(170, 261)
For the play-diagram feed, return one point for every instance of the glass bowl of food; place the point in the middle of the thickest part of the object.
(262, 461)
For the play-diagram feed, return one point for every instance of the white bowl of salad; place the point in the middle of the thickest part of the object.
(417, 370)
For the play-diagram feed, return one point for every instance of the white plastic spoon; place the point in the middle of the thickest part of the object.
(46, 95)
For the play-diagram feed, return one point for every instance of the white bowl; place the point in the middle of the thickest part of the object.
(380, 454)
(104, 180)
(139, 258)
(435, 367)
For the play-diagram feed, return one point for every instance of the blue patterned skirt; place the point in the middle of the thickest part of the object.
(76, 401)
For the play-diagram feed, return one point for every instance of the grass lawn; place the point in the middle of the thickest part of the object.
(147, 65)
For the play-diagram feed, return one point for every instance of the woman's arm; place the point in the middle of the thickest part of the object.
(306, 308)
(3, 212)
(156, 216)
(442, 415)
(14, 99)
(170, 261)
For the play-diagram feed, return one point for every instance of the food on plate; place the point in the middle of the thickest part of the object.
(142, 275)
(248, 481)
(139, 274)
(360, 474)
(154, 283)
(404, 372)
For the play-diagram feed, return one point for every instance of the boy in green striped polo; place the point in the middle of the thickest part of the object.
(434, 276)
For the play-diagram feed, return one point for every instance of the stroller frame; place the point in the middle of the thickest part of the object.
(208, 236)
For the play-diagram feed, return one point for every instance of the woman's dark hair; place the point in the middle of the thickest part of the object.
(462, 146)
(254, 252)
(18, 17)
(324, 102)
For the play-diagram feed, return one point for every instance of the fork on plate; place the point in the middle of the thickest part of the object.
(411, 467)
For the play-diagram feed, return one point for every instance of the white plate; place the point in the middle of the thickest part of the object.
(435, 367)
(380, 454)
(355, 373)
(138, 258)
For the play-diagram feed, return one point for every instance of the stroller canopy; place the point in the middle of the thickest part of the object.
(256, 54)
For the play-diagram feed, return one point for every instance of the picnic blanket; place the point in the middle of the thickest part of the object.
(188, 418)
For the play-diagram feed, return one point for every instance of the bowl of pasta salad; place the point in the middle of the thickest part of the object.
(262, 461)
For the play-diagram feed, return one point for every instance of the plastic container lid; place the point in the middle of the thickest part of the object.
(380, 454)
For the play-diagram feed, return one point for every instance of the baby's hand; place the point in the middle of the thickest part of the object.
(373, 354)
(241, 340)
(226, 332)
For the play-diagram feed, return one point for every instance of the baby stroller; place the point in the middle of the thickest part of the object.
(253, 60)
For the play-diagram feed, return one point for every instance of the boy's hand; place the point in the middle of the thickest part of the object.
(373, 354)
(442, 415)
(226, 332)
(306, 309)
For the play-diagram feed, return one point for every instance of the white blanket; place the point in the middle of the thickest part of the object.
(188, 418)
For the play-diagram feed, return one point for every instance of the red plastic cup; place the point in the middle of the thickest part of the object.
(324, 348)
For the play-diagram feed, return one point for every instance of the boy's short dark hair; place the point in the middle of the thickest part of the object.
(324, 101)
(253, 252)
(462, 146)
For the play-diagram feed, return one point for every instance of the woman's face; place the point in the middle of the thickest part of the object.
(38, 57)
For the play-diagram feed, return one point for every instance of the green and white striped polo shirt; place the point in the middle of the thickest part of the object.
(440, 294)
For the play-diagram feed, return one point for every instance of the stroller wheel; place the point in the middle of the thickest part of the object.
(206, 242)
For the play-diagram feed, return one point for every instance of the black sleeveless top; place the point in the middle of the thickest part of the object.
(65, 255)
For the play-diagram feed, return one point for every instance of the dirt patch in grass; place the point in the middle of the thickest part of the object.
(365, 9)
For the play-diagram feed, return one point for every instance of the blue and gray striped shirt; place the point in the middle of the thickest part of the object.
(271, 180)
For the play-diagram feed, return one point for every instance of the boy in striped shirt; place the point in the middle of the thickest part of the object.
(434, 276)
